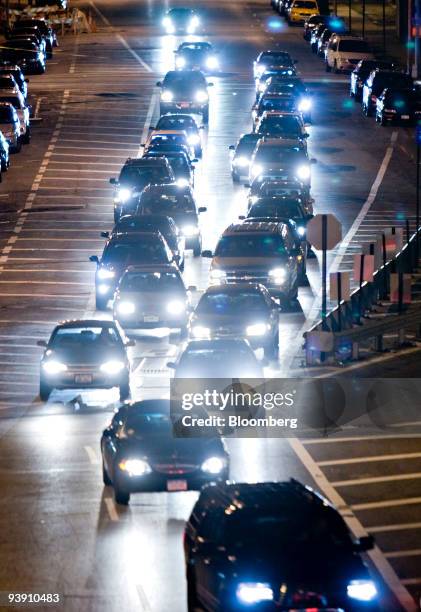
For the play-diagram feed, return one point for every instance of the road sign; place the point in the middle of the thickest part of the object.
(314, 231)
(340, 286)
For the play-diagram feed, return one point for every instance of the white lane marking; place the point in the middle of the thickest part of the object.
(148, 120)
(111, 509)
(38, 106)
(373, 479)
(368, 459)
(42, 282)
(376, 556)
(121, 39)
(389, 503)
(395, 527)
(44, 295)
(91, 141)
(314, 311)
(411, 581)
(92, 455)
(75, 55)
(396, 554)
(360, 438)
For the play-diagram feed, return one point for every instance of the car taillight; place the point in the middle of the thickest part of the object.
(373, 98)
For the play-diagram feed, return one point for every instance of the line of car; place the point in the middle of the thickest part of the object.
(28, 45)
(247, 546)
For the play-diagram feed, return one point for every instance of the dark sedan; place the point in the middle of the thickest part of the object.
(141, 453)
(273, 546)
(181, 20)
(85, 354)
(185, 90)
(361, 73)
(26, 54)
(181, 121)
(398, 106)
(241, 155)
(196, 56)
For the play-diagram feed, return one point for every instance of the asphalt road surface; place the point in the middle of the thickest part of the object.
(60, 530)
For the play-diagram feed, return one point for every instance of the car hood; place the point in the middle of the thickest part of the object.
(88, 355)
(155, 299)
(235, 322)
(166, 448)
(354, 55)
(247, 262)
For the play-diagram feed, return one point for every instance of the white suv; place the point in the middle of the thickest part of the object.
(344, 52)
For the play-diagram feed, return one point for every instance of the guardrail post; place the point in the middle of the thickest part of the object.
(355, 351)
(378, 343)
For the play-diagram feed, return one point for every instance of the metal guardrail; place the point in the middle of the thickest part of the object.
(354, 321)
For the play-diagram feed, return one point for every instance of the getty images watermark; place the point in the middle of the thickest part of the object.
(301, 407)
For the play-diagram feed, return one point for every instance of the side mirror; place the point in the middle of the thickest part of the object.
(313, 161)
(42, 343)
(130, 342)
(194, 161)
(210, 84)
(113, 181)
(26, 80)
(365, 543)
(202, 209)
(241, 217)
(231, 148)
(207, 254)
(192, 288)
(105, 234)
(94, 259)
(159, 84)
(171, 365)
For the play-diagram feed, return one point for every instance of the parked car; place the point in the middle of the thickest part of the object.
(344, 52)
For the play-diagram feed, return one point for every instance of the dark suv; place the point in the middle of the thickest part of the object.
(273, 546)
(361, 72)
(185, 91)
(377, 82)
(135, 175)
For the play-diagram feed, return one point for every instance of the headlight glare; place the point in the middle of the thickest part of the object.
(304, 105)
(135, 467)
(167, 96)
(103, 289)
(176, 307)
(256, 170)
(301, 231)
(199, 331)
(114, 366)
(254, 592)
(217, 274)
(126, 308)
(241, 161)
(104, 273)
(213, 465)
(54, 367)
(190, 230)
(123, 194)
(212, 63)
(278, 275)
(258, 329)
(193, 139)
(303, 172)
(201, 96)
(180, 62)
(363, 590)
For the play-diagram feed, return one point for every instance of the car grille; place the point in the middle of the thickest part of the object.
(175, 468)
(250, 276)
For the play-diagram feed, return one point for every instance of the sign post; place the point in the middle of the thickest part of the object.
(417, 210)
(323, 233)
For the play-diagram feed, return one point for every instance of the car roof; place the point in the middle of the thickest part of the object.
(185, 73)
(257, 227)
(265, 495)
(234, 288)
(217, 343)
(282, 143)
(165, 132)
(133, 237)
(153, 268)
(140, 161)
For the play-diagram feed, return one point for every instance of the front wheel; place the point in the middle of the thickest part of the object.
(121, 496)
(124, 391)
(105, 478)
(327, 67)
(192, 602)
(44, 390)
(197, 248)
(271, 350)
(205, 115)
(26, 139)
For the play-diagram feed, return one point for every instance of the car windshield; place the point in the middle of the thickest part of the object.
(399, 99)
(7, 82)
(272, 59)
(19, 44)
(179, 164)
(396, 79)
(166, 204)
(354, 46)
(146, 250)
(202, 359)
(278, 103)
(151, 281)
(100, 337)
(250, 245)
(14, 101)
(137, 425)
(16, 75)
(247, 144)
(231, 303)
(168, 139)
(195, 47)
(141, 176)
(182, 80)
(304, 4)
(292, 533)
(282, 125)
(176, 123)
(288, 209)
(180, 14)
(280, 155)
(143, 224)
(6, 115)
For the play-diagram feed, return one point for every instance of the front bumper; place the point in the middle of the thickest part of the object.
(255, 341)
(189, 107)
(159, 480)
(143, 321)
(85, 379)
(275, 289)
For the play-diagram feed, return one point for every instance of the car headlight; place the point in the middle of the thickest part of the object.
(190, 230)
(126, 308)
(112, 367)
(199, 331)
(254, 592)
(256, 169)
(123, 195)
(262, 87)
(180, 62)
(167, 96)
(301, 231)
(195, 21)
(213, 465)
(217, 274)
(278, 275)
(260, 70)
(104, 273)
(201, 96)
(303, 172)
(166, 21)
(363, 590)
(304, 105)
(258, 329)
(176, 307)
(193, 139)
(135, 467)
(54, 367)
(170, 29)
(103, 289)
(212, 63)
(182, 182)
(241, 161)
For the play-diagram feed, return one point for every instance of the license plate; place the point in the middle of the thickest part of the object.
(404, 116)
(176, 485)
(150, 319)
(83, 378)
(184, 104)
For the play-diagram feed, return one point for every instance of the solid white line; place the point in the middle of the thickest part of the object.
(376, 556)
(396, 527)
(42, 282)
(111, 509)
(148, 120)
(390, 503)
(359, 438)
(93, 457)
(374, 479)
(396, 554)
(369, 459)
(411, 581)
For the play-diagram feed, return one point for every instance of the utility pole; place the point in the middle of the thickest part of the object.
(384, 25)
(417, 20)
(363, 33)
(7, 16)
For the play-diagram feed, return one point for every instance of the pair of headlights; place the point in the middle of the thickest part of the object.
(53, 367)
(140, 467)
(174, 307)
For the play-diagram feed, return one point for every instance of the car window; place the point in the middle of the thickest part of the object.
(276, 155)
(176, 123)
(140, 176)
(281, 125)
(287, 209)
(224, 303)
(6, 115)
(304, 4)
(166, 204)
(13, 100)
(68, 337)
(250, 245)
(353, 46)
(131, 253)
